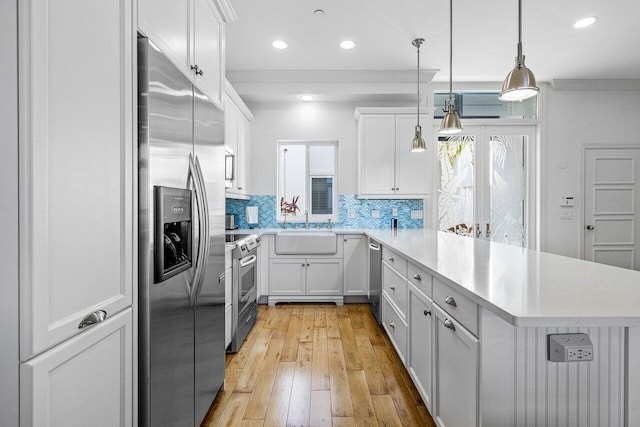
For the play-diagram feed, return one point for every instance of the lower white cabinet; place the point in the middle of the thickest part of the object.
(356, 281)
(421, 343)
(87, 380)
(395, 326)
(228, 305)
(301, 276)
(324, 276)
(287, 276)
(455, 373)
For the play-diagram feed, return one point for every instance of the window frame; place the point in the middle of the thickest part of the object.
(300, 217)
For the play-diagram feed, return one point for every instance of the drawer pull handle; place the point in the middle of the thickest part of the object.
(449, 324)
(93, 318)
(392, 259)
(392, 287)
(449, 300)
(427, 312)
(417, 277)
(393, 325)
(248, 320)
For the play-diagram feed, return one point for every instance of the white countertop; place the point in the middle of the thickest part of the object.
(524, 287)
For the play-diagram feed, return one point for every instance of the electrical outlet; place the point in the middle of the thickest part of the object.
(570, 347)
(416, 214)
(394, 212)
(351, 213)
(375, 213)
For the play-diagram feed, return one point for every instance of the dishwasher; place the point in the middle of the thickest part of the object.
(375, 278)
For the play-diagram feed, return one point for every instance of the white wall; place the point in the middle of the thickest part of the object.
(572, 119)
(301, 121)
(9, 357)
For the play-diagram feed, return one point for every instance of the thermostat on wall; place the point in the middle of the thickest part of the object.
(567, 201)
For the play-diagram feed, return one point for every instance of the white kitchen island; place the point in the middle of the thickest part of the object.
(483, 359)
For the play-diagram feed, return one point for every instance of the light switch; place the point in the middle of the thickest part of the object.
(351, 213)
(416, 214)
(394, 212)
(566, 214)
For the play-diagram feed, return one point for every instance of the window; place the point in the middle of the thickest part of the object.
(485, 105)
(307, 180)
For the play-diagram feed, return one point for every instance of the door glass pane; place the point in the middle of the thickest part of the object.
(508, 189)
(455, 198)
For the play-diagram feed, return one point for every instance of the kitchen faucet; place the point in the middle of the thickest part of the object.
(306, 219)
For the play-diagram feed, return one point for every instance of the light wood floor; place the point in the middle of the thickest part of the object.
(317, 365)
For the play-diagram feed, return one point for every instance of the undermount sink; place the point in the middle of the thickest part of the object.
(306, 242)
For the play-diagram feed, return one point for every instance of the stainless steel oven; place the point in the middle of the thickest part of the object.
(244, 289)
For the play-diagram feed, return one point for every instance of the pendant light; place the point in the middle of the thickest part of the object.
(520, 83)
(451, 120)
(418, 143)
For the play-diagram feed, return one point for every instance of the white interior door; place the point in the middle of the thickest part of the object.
(612, 194)
(485, 183)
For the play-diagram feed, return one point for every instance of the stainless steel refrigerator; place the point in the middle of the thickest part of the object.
(181, 245)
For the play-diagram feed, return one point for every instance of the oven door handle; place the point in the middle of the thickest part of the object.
(248, 260)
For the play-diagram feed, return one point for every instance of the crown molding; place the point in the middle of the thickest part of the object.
(226, 10)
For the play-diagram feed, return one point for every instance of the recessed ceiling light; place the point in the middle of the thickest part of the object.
(347, 44)
(279, 44)
(585, 22)
(307, 98)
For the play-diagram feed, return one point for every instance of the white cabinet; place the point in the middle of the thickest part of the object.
(421, 343)
(84, 381)
(191, 34)
(324, 276)
(386, 167)
(237, 124)
(287, 276)
(76, 166)
(395, 326)
(355, 265)
(455, 385)
(301, 276)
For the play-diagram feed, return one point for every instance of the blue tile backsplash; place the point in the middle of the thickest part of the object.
(362, 207)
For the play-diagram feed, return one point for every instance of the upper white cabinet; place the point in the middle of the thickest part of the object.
(386, 167)
(191, 34)
(237, 130)
(84, 381)
(76, 166)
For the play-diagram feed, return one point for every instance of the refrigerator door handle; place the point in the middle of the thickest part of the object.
(198, 261)
(205, 244)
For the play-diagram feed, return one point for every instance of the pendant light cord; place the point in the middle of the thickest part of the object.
(519, 58)
(418, 85)
(450, 51)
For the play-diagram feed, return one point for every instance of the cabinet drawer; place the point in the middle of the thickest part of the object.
(463, 309)
(420, 278)
(396, 327)
(395, 260)
(395, 286)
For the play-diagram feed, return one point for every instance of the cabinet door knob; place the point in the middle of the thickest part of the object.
(392, 287)
(590, 227)
(449, 300)
(392, 259)
(303, 264)
(417, 277)
(393, 325)
(239, 188)
(308, 265)
(449, 324)
(427, 312)
(93, 318)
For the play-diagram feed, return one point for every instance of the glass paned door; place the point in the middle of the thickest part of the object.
(485, 186)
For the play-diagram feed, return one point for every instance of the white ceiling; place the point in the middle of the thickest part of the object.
(485, 37)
